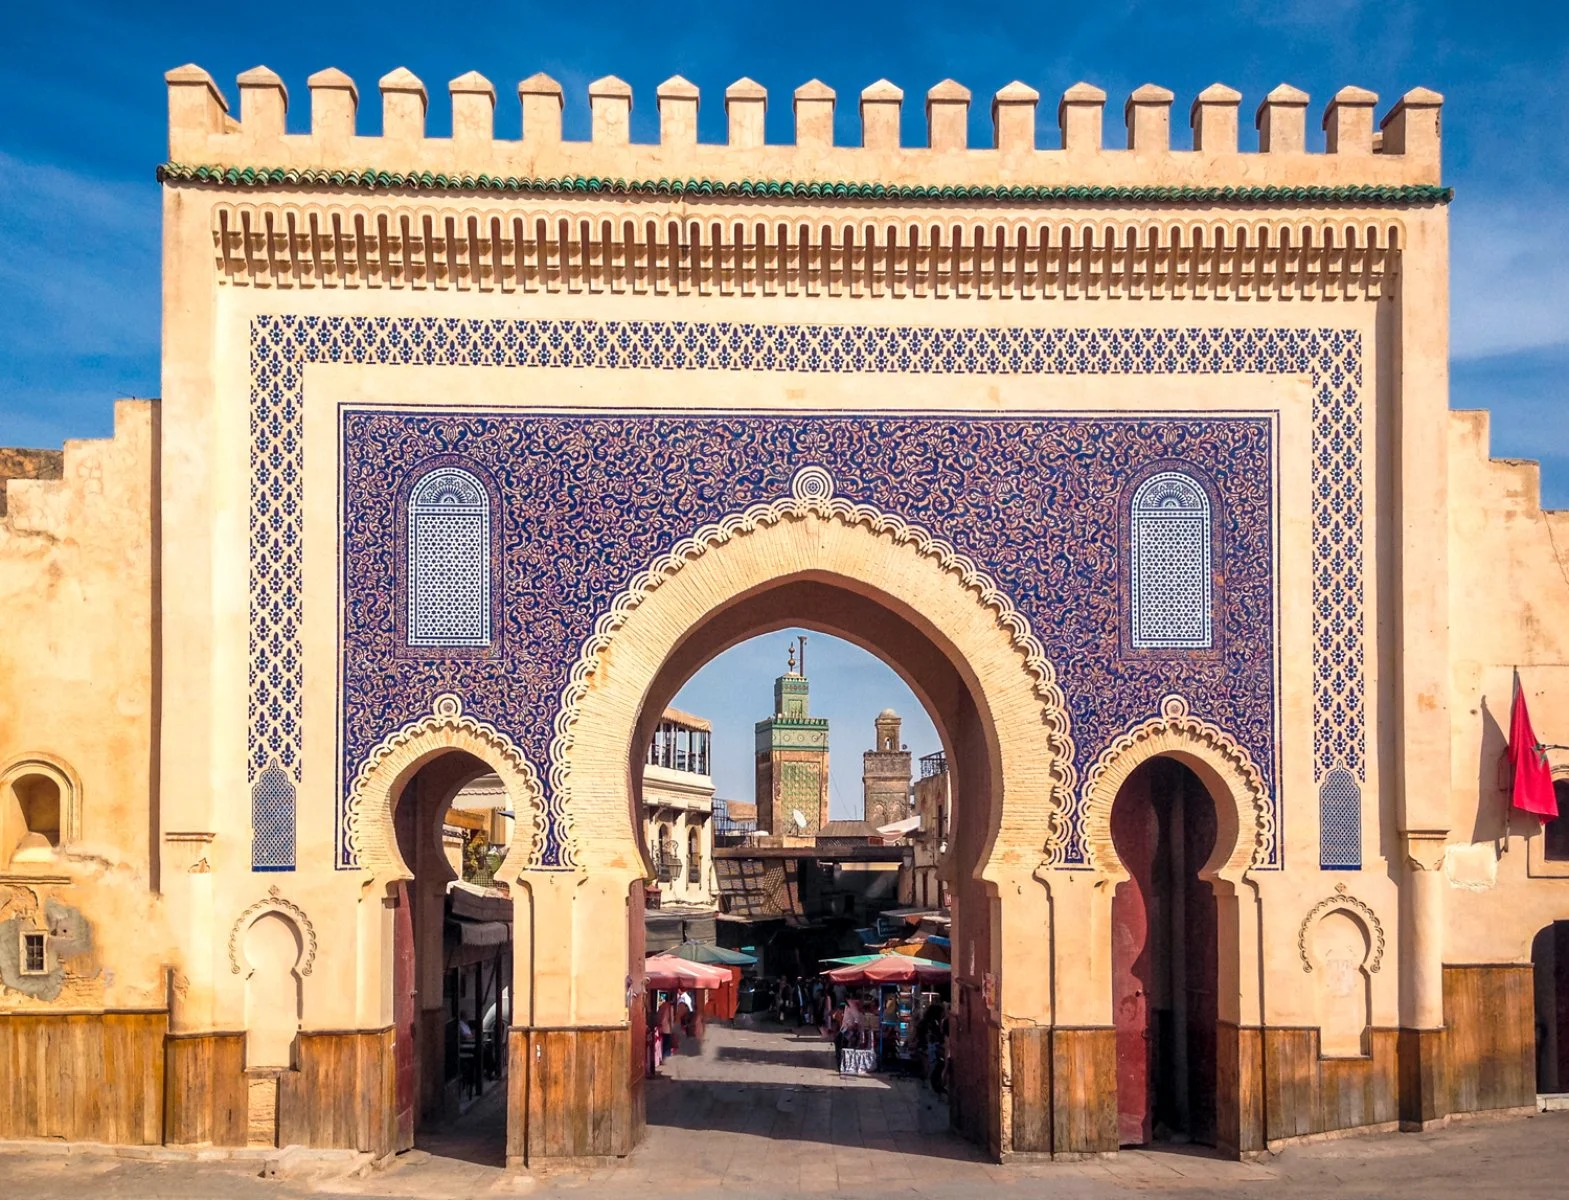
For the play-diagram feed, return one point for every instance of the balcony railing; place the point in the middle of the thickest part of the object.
(666, 864)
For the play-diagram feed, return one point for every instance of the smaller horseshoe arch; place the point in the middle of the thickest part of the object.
(1246, 822)
(369, 813)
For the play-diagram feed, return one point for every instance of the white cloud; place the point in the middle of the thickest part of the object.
(1509, 276)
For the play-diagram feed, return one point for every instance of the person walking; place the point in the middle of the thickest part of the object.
(665, 1019)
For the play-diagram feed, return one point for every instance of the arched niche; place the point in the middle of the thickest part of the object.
(40, 809)
(1340, 948)
(272, 948)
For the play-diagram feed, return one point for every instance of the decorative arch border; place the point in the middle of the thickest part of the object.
(812, 495)
(273, 901)
(1177, 732)
(64, 777)
(367, 827)
(1361, 909)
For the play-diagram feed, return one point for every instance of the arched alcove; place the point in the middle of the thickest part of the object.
(273, 994)
(1342, 985)
(40, 809)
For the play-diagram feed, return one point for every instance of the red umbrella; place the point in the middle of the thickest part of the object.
(892, 968)
(667, 971)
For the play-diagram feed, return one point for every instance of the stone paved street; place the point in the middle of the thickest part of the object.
(760, 1113)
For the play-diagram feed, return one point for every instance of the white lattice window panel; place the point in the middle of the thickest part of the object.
(1340, 821)
(1171, 594)
(449, 560)
(272, 821)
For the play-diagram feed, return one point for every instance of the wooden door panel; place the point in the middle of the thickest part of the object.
(1135, 832)
(404, 993)
(403, 1015)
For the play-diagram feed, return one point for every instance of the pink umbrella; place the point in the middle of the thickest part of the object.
(892, 968)
(668, 971)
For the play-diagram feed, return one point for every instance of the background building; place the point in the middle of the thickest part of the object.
(933, 802)
(792, 761)
(678, 809)
(885, 774)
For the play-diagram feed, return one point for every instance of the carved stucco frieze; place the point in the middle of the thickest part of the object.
(550, 246)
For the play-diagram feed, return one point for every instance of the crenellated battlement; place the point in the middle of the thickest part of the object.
(1401, 151)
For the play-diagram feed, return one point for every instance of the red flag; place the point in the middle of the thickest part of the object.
(1533, 779)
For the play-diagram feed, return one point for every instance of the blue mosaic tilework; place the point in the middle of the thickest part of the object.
(1170, 569)
(281, 345)
(448, 560)
(1340, 822)
(590, 500)
(272, 821)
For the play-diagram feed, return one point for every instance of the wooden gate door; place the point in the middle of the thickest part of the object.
(1135, 831)
(403, 1016)
(404, 1000)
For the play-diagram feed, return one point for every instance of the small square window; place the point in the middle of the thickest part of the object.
(34, 959)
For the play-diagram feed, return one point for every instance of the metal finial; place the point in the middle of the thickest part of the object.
(791, 668)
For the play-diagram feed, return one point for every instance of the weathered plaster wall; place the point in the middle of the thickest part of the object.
(1509, 604)
(18, 463)
(77, 699)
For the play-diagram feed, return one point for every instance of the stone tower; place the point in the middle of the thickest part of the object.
(792, 759)
(885, 774)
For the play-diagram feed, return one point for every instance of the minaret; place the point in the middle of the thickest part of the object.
(885, 774)
(792, 759)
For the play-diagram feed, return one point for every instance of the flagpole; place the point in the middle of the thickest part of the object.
(1509, 798)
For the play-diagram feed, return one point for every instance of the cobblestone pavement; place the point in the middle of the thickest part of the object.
(760, 1113)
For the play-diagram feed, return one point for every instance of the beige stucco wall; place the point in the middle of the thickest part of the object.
(1509, 600)
(78, 698)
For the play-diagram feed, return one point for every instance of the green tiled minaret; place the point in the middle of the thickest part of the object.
(792, 758)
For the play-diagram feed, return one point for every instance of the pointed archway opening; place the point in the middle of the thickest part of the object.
(1165, 957)
(810, 876)
(451, 963)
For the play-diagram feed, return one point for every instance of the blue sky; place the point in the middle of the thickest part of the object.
(82, 93)
(849, 687)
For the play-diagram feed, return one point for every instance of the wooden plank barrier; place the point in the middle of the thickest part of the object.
(89, 1077)
(578, 1092)
(1030, 1054)
(1083, 1091)
(342, 1095)
(1490, 1014)
(205, 1095)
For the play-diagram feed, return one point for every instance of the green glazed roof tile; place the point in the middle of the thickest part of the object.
(371, 180)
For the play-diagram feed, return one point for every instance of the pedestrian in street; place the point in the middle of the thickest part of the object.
(870, 1024)
(665, 1019)
(850, 1025)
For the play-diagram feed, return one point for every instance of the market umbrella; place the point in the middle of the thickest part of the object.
(930, 950)
(667, 971)
(707, 952)
(892, 968)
